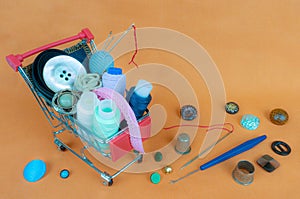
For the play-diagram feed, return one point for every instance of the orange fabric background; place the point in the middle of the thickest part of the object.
(255, 45)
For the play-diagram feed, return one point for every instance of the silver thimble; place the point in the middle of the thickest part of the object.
(183, 144)
(243, 173)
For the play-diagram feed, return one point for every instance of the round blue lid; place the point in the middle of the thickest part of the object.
(34, 170)
(114, 71)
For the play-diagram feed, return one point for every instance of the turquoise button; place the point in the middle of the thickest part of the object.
(66, 100)
(155, 178)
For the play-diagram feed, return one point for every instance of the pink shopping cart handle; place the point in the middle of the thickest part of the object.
(16, 60)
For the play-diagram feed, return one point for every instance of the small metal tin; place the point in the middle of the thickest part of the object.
(188, 112)
(279, 116)
(183, 144)
(232, 108)
(243, 173)
(268, 163)
(167, 170)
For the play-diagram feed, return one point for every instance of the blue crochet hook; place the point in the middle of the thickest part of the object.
(227, 155)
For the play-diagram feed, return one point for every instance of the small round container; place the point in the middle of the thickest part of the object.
(243, 173)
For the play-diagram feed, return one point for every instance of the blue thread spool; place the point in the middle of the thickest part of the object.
(140, 98)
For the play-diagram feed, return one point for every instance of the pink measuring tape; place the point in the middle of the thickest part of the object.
(134, 129)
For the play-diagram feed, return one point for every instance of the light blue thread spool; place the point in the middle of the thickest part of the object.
(114, 79)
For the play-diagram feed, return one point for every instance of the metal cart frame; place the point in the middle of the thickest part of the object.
(62, 123)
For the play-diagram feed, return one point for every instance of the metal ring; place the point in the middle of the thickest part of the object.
(277, 148)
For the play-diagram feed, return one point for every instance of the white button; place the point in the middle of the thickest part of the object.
(61, 71)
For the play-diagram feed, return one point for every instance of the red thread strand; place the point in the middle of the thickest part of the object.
(136, 47)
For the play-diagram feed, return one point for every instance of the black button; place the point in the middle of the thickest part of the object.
(281, 148)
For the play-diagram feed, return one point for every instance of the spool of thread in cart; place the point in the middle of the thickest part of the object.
(106, 120)
(85, 108)
(114, 79)
(140, 98)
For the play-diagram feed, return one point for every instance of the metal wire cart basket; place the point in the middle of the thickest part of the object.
(118, 145)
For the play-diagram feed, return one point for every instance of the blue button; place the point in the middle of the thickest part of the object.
(64, 173)
(34, 170)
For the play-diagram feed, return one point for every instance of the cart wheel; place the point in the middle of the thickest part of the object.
(110, 183)
(61, 148)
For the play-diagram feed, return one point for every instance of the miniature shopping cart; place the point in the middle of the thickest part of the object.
(119, 144)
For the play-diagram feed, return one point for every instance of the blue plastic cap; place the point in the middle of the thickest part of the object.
(114, 71)
(34, 170)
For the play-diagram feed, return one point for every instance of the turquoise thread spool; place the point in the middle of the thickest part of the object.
(106, 121)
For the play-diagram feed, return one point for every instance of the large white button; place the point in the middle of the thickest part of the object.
(61, 71)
